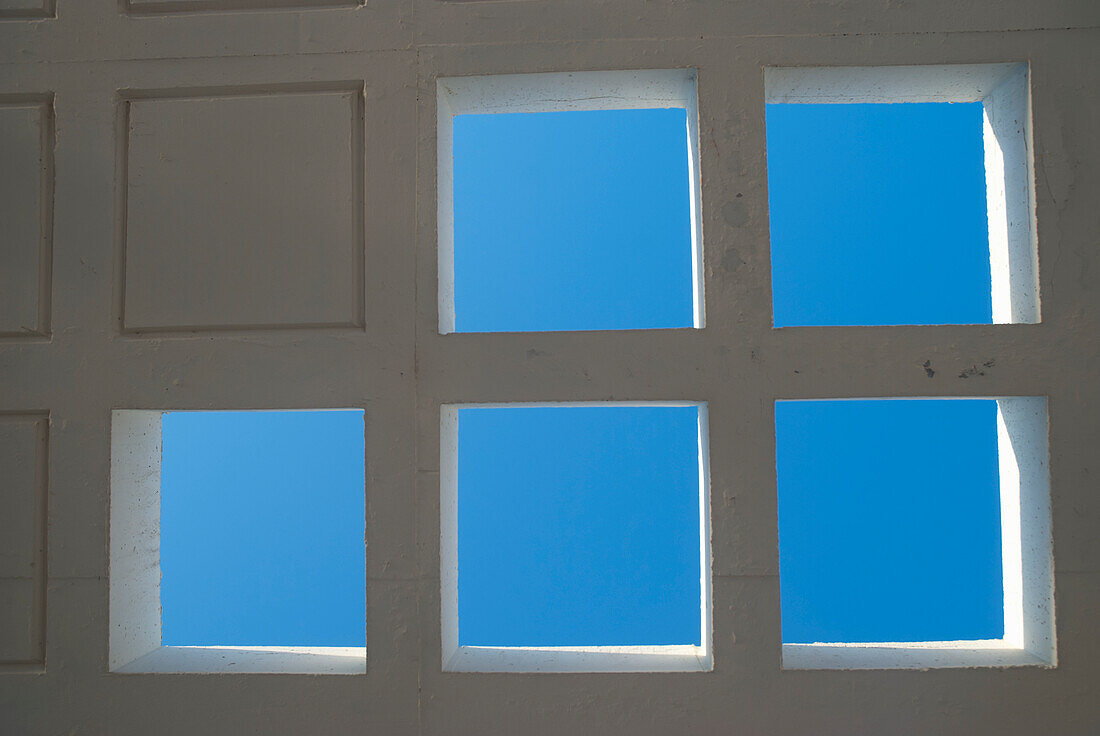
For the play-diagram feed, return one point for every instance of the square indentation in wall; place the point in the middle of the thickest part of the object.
(184, 6)
(23, 484)
(26, 212)
(28, 9)
(242, 209)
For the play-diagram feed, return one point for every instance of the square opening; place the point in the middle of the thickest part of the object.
(237, 541)
(575, 538)
(914, 533)
(569, 202)
(901, 195)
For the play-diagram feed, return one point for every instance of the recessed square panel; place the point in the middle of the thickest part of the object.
(901, 195)
(184, 6)
(22, 538)
(579, 530)
(28, 9)
(26, 212)
(569, 202)
(244, 210)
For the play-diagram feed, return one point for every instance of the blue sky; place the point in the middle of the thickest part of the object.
(889, 524)
(262, 518)
(889, 520)
(572, 221)
(579, 526)
(878, 214)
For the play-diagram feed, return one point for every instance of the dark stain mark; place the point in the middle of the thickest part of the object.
(731, 261)
(735, 214)
(928, 369)
(977, 370)
(532, 353)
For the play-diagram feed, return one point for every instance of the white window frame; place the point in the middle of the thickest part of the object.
(134, 643)
(659, 658)
(1027, 564)
(1004, 92)
(561, 92)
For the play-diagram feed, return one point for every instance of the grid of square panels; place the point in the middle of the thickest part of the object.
(961, 132)
(614, 243)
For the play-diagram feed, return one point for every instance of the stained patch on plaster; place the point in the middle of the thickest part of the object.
(976, 370)
(735, 214)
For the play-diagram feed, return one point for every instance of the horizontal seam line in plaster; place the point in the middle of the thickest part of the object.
(417, 47)
(750, 37)
(376, 579)
(215, 57)
(4, 578)
(50, 578)
(158, 331)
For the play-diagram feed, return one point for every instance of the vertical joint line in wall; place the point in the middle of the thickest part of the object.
(416, 380)
(122, 163)
(359, 207)
(46, 210)
(42, 526)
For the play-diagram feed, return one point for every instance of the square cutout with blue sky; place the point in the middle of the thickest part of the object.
(889, 520)
(262, 528)
(573, 220)
(579, 526)
(878, 214)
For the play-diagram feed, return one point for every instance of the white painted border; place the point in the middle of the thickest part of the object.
(455, 658)
(134, 641)
(1003, 90)
(250, 660)
(560, 92)
(1026, 557)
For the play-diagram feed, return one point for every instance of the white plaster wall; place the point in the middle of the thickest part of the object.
(91, 55)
